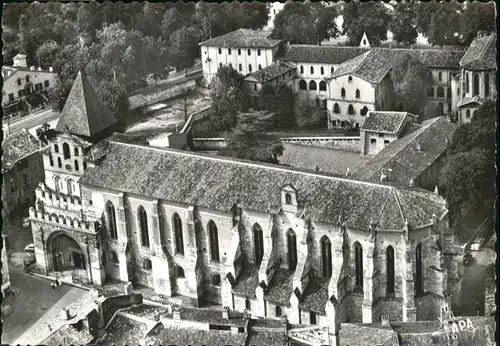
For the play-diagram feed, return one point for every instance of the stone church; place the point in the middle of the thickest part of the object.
(274, 241)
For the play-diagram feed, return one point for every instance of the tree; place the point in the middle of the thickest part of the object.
(369, 17)
(440, 22)
(468, 175)
(184, 47)
(411, 80)
(46, 55)
(307, 115)
(305, 23)
(229, 96)
(278, 100)
(248, 139)
(404, 23)
(477, 16)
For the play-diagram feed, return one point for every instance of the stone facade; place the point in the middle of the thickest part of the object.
(5, 269)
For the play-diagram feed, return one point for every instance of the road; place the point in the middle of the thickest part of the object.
(31, 121)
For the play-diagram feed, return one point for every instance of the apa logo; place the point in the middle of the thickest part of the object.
(458, 326)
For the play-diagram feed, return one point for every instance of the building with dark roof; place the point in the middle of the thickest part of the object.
(278, 73)
(245, 50)
(22, 169)
(476, 81)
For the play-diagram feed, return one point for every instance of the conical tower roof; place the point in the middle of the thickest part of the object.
(84, 113)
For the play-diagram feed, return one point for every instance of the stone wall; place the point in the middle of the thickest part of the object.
(165, 93)
(490, 288)
(210, 143)
(340, 143)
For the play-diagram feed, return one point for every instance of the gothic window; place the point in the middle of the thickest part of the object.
(216, 280)
(258, 240)
(390, 269)
(76, 151)
(59, 162)
(349, 79)
(248, 306)
(342, 93)
(312, 317)
(110, 211)
(143, 226)
(476, 84)
(302, 69)
(250, 68)
(179, 240)
(146, 264)
(51, 161)
(322, 85)
(292, 249)
(364, 110)
(278, 311)
(179, 272)
(214, 241)
(467, 82)
(288, 198)
(358, 94)
(336, 108)
(312, 69)
(77, 167)
(322, 70)
(358, 265)
(487, 84)
(418, 269)
(440, 92)
(430, 92)
(467, 113)
(302, 85)
(326, 256)
(71, 186)
(350, 110)
(58, 184)
(312, 85)
(440, 76)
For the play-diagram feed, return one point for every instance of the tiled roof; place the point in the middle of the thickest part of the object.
(266, 338)
(247, 281)
(124, 331)
(189, 336)
(68, 335)
(321, 54)
(18, 146)
(357, 334)
(280, 287)
(13, 70)
(481, 54)
(441, 58)
(243, 38)
(99, 150)
(404, 158)
(194, 179)
(388, 122)
(327, 159)
(315, 295)
(84, 113)
(272, 71)
(468, 100)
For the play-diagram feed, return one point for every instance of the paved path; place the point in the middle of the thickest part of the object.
(31, 121)
(35, 304)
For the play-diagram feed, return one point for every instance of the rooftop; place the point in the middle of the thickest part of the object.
(280, 288)
(84, 113)
(321, 54)
(326, 159)
(387, 122)
(411, 154)
(358, 334)
(194, 179)
(125, 331)
(8, 71)
(470, 100)
(481, 54)
(69, 335)
(162, 335)
(243, 38)
(270, 72)
(315, 295)
(247, 281)
(18, 146)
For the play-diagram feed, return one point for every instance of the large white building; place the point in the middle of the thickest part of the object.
(245, 50)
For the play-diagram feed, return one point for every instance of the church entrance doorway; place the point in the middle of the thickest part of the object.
(66, 257)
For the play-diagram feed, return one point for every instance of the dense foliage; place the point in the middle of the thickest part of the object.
(468, 176)
(371, 17)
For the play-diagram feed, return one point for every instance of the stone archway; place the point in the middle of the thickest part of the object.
(65, 254)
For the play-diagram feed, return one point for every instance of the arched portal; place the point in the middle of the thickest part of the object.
(65, 254)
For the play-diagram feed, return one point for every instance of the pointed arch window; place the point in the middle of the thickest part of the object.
(358, 94)
(467, 88)
(258, 240)
(214, 241)
(326, 257)
(418, 269)
(291, 249)
(350, 110)
(390, 269)
(336, 108)
(229, 51)
(349, 79)
(71, 186)
(143, 226)
(258, 52)
(476, 85)
(440, 76)
(487, 84)
(358, 265)
(364, 110)
(322, 85)
(110, 213)
(467, 114)
(179, 240)
(342, 92)
(56, 148)
(66, 151)
(58, 184)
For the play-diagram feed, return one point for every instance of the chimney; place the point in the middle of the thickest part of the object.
(436, 191)
(385, 320)
(32, 68)
(20, 61)
(39, 68)
(225, 313)
(51, 69)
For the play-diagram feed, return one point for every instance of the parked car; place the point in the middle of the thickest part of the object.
(29, 248)
(26, 222)
(29, 259)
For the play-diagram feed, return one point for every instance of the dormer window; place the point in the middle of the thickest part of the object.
(289, 199)
(350, 79)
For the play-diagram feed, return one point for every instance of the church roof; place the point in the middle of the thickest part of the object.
(388, 122)
(321, 54)
(18, 146)
(84, 113)
(216, 182)
(243, 38)
(315, 295)
(270, 72)
(371, 66)
(481, 54)
(470, 100)
(404, 158)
